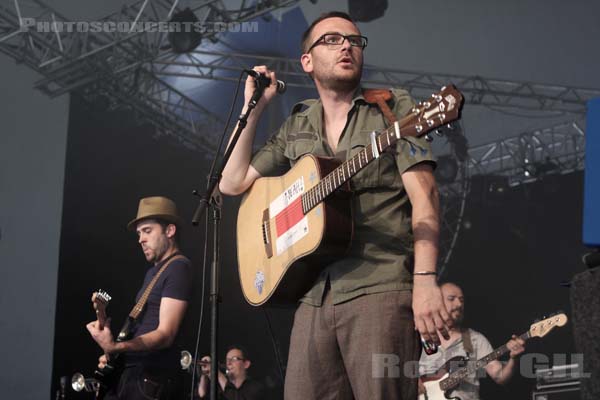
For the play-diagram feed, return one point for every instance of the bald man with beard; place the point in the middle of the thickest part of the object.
(470, 344)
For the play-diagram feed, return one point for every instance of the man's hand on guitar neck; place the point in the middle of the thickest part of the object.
(102, 361)
(103, 337)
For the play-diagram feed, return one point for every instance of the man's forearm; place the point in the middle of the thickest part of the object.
(426, 231)
(153, 340)
(234, 173)
(507, 371)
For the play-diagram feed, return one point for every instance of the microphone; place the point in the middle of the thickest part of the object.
(265, 81)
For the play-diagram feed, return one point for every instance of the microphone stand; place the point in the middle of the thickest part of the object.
(212, 198)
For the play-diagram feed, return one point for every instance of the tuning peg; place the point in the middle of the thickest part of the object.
(428, 138)
(439, 132)
(450, 126)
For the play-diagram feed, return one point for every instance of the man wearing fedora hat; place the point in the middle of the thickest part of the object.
(150, 359)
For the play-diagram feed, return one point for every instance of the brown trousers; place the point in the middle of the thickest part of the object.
(363, 349)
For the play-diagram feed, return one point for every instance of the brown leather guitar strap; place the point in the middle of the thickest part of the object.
(139, 306)
(381, 97)
(467, 343)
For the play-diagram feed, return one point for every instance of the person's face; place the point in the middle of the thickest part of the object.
(154, 240)
(334, 66)
(236, 364)
(454, 302)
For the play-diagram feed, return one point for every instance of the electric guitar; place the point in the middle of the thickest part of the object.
(439, 384)
(108, 375)
(100, 300)
(288, 227)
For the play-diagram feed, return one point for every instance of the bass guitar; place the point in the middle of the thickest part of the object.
(439, 384)
(108, 375)
(288, 227)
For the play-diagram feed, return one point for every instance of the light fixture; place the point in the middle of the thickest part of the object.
(365, 11)
(185, 38)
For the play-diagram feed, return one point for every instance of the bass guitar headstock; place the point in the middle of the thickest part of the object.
(100, 300)
(543, 327)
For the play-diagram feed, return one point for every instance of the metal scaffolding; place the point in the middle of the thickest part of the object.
(117, 62)
(528, 156)
(476, 89)
(129, 66)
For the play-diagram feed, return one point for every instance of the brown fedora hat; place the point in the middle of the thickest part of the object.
(156, 207)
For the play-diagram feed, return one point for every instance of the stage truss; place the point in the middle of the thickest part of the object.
(129, 68)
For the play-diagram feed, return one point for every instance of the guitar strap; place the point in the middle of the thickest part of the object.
(139, 306)
(381, 97)
(467, 343)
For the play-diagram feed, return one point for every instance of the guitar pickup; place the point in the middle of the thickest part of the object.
(266, 232)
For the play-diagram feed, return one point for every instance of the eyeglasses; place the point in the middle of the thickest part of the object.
(337, 39)
(235, 358)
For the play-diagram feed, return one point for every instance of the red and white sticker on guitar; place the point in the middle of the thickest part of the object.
(291, 224)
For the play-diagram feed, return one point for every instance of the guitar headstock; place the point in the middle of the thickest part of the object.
(100, 300)
(443, 108)
(543, 327)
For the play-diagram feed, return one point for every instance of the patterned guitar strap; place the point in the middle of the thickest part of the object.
(139, 306)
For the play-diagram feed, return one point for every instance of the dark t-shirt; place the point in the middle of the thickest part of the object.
(175, 282)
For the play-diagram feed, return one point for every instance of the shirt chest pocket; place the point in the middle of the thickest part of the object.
(380, 173)
(299, 145)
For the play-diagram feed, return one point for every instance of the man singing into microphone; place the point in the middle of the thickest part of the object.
(363, 309)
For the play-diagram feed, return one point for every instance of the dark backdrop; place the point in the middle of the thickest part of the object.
(515, 261)
(112, 162)
(519, 247)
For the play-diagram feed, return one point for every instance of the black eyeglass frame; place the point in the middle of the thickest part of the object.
(235, 358)
(321, 39)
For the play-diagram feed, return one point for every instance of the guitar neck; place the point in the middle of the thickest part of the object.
(336, 178)
(442, 109)
(460, 374)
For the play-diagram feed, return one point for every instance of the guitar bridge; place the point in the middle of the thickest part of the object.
(266, 233)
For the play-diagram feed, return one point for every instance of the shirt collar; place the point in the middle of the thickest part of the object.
(314, 108)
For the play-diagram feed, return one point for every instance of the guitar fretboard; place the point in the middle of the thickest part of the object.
(350, 167)
(460, 374)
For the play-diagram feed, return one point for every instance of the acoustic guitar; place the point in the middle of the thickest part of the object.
(290, 227)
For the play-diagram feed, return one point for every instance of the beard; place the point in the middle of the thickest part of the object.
(342, 84)
(457, 318)
(344, 81)
(157, 253)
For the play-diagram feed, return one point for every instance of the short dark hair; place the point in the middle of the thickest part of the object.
(304, 45)
(241, 348)
(163, 223)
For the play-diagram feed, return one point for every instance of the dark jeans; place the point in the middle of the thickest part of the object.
(142, 383)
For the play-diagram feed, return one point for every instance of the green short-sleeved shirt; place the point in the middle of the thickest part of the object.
(380, 255)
